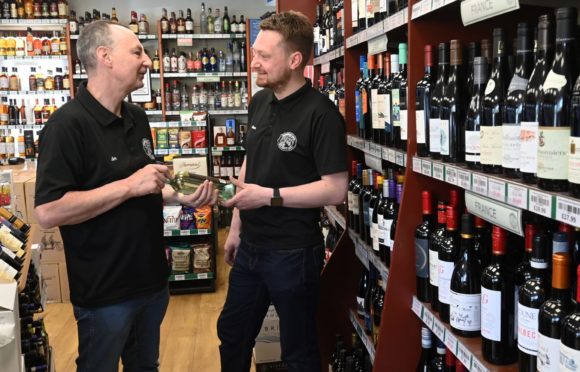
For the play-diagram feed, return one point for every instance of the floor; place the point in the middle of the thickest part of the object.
(189, 340)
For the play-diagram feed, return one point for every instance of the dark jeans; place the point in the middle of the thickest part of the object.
(127, 330)
(290, 280)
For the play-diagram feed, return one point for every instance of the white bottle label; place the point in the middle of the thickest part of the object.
(396, 116)
(389, 240)
(382, 229)
(548, 354)
(434, 135)
(420, 126)
(517, 83)
(375, 236)
(491, 139)
(554, 81)
(445, 272)
(528, 329)
(553, 153)
(376, 123)
(511, 146)
(387, 108)
(529, 146)
(349, 200)
(490, 310)
(445, 140)
(465, 311)
(569, 358)
(404, 119)
(490, 86)
(434, 268)
(472, 145)
(574, 160)
(355, 205)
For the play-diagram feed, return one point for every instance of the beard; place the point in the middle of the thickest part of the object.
(280, 81)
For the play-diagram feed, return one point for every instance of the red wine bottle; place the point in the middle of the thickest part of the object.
(363, 217)
(422, 104)
(403, 97)
(378, 302)
(436, 100)
(422, 234)
(367, 106)
(482, 244)
(574, 156)
(360, 98)
(473, 51)
(377, 103)
(351, 185)
(438, 363)
(554, 137)
(361, 293)
(498, 328)
(396, 100)
(426, 346)
(373, 209)
(356, 193)
(453, 108)
(384, 98)
(450, 361)
(434, 245)
(448, 252)
(570, 340)
(389, 215)
(474, 115)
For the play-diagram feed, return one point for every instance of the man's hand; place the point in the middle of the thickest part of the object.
(248, 196)
(148, 180)
(231, 246)
(204, 195)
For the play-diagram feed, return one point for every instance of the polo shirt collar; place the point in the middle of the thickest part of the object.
(294, 96)
(98, 111)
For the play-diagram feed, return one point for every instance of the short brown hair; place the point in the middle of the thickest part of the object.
(296, 31)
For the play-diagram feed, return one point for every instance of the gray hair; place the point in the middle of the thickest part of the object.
(94, 35)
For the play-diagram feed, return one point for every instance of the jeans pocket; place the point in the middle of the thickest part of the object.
(313, 262)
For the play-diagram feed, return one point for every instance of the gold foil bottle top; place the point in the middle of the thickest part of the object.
(455, 52)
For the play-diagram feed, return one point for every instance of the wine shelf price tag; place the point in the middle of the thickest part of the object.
(161, 152)
(384, 153)
(568, 211)
(497, 213)
(417, 165)
(179, 278)
(451, 341)
(517, 196)
(184, 42)
(479, 184)
(184, 232)
(417, 307)
(497, 189)
(377, 151)
(399, 159)
(417, 10)
(202, 276)
(464, 179)
(426, 168)
(477, 366)
(362, 255)
(541, 203)
(174, 151)
(437, 4)
(473, 11)
(451, 175)
(374, 162)
(379, 43)
(426, 6)
(325, 68)
(464, 355)
(166, 233)
(202, 232)
(438, 329)
(428, 318)
(392, 157)
(439, 171)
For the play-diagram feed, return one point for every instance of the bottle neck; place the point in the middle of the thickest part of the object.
(560, 294)
(497, 258)
(466, 247)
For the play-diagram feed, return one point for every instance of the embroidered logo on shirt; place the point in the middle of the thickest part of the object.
(147, 148)
(287, 141)
(113, 158)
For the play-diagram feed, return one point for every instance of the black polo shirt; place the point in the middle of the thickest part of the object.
(290, 142)
(119, 254)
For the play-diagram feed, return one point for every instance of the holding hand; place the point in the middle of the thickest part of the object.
(248, 196)
(148, 180)
(204, 195)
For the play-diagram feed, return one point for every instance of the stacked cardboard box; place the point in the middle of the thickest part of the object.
(267, 348)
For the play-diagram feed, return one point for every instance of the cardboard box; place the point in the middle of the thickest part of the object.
(267, 348)
(19, 195)
(195, 164)
(10, 352)
(51, 282)
(29, 191)
(64, 289)
(50, 243)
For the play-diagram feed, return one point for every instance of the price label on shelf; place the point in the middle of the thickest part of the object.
(377, 150)
(426, 168)
(202, 231)
(202, 276)
(437, 4)
(541, 203)
(517, 196)
(473, 11)
(399, 159)
(464, 355)
(187, 42)
(479, 184)
(438, 329)
(417, 307)
(464, 178)
(184, 232)
(373, 162)
(439, 171)
(477, 366)
(568, 211)
(428, 318)
(417, 10)
(497, 189)
(362, 254)
(451, 341)
(161, 152)
(417, 165)
(451, 175)
(426, 6)
(392, 157)
(497, 213)
(167, 233)
(378, 44)
(179, 277)
(325, 68)
(174, 151)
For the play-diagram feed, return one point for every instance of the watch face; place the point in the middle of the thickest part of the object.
(276, 202)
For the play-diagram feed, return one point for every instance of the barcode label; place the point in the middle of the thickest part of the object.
(426, 168)
(497, 189)
(426, 6)
(428, 318)
(438, 329)
(416, 11)
(517, 196)
(541, 203)
(417, 165)
(417, 307)
(399, 159)
(480, 184)
(179, 278)
(437, 4)
(464, 355)
(166, 233)
(451, 175)
(568, 211)
(202, 276)
(184, 232)
(464, 179)
(392, 157)
(451, 341)
(439, 171)
(476, 366)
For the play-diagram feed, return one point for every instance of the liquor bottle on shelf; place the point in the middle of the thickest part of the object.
(377, 108)
(143, 25)
(473, 51)
(474, 115)
(203, 24)
(574, 155)
(134, 25)
(435, 239)
(554, 129)
(362, 15)
(368, 322)
(368, 124)
(362, 194)
(390, 86)
(493, 102)
(426, 350)
(438, 362)
(448, 253)
(378, 303)
(393, 229)
(570, 337)
(453, 107)
(436, 101)
(210, 22)
(316, 29)
(403, 96)
(513, 109)
(531, 296)
(354, 16)
(422, 104)
(374, 213)
(385, 99)
(385, 220)
(422, 234)
(359, 90)
(226, 25)
(396, 101)
(366, 203)
(356, 192)
(217, 22)
(360, 295)
(498, 323)
(552, 314)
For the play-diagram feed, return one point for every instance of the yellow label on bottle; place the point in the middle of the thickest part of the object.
(491, 145)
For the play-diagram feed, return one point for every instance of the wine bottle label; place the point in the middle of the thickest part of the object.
(404, 116)
(380, 112)
(574, 160)
(349, 200)
(8, 270)
(375, 236)
(554, 81)
(383, 6)
(516, 304)
(472, 146)
(553, 153)
(420, 126)
(445, 272)
(354, 13)
(529, 146)
(511, 146)
(528, 329)
(548, 354)
(434, 135)
(433, 268)
(387, 112)
(421, 258)
(569, 358)
(465, 311)
(490, 86)
(360, 305)
(355, 205)
(371, 211)
(382, 229)
(518, 83)
(491, 148)
(390, 242)
(375, 109)
(395, 107)
(444, 136)
(490, 314)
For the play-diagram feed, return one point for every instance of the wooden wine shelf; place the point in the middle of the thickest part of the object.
(27, 259)
(367, 256)
(360, 330)
(388, 24)
(330, 56)
(334, 216)
(467, 350)
(377, 152)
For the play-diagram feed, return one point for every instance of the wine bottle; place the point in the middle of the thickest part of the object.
(570, 336)
(367, 94)
(382, 228)
(494, 99)
(426, 355)
(436, 100)
(356, 192)
(498, 327)
(384, 98)
(422, 234)
(389, 128)
(523, 270)
(552, 313)
(574, 156)
(403, 96)
(17, 222)
(555, 118)
(450, 361)
(378, 302)
(532, 295)
(374, 213)
(474, 115)
(453, 106)
(350, 196)
(393, 229)
(395, 87)
(513, 109)
(422, 104)
(361, 293)
(389, 215)
(465, 306)
(187, 183)
(482, 245)
(369, 302)
(359, 88)
(434, 245)
(377, 103)
(364, 198)
(438, 363)
(366, 204)
(448, 253)
(473, 51)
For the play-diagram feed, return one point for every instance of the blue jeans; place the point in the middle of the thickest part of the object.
(128, 330)
(290, 280)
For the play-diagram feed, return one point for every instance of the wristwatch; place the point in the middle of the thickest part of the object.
(276, 200)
